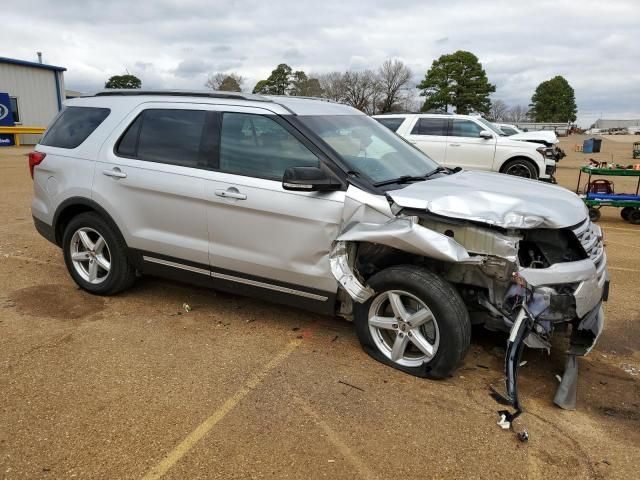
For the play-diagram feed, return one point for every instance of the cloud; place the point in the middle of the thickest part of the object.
(177, 43)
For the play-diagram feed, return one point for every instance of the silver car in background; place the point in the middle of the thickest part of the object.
(315, 205)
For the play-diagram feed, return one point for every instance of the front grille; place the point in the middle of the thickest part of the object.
(590, 237)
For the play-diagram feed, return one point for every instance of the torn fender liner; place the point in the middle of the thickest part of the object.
(341, 269)
(408, 235)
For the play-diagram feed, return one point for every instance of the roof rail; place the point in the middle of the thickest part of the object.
(181, 93)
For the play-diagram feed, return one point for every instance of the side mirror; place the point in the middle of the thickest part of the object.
(309, 179)
(486, 134)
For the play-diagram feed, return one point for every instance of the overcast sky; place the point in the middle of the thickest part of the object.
(177, 43)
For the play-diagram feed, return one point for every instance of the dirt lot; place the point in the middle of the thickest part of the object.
(133, 385)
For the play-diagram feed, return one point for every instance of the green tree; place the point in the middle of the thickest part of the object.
(554, 101)
(277, 83)
(123, 81)
(230, 82)
(303, 86)
(457, 80)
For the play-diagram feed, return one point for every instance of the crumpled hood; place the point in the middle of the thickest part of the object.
(495, 199)
(546, 136)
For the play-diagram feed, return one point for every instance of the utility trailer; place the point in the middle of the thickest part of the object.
(596, 198)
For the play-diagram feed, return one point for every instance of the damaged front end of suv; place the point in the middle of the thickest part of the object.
(524, 267)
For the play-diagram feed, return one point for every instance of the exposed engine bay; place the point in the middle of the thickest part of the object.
(524, 279)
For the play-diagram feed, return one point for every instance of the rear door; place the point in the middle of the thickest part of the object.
(261, 235)
(430, 135)
(151, 181)
(465, 147)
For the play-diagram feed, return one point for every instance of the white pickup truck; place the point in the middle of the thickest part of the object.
(472, 143)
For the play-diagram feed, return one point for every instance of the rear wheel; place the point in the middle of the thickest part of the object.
(96, 255)
(634, 217)
(416, 322)
(520, 167)
(625, 212)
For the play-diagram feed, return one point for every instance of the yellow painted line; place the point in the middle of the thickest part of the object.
(363, 470)
(205, 427)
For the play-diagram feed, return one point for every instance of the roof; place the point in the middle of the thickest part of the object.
(291, 104)
(24, 63)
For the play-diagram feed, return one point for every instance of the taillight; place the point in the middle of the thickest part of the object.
(35, 158)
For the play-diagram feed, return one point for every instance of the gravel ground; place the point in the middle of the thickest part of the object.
(133, 386)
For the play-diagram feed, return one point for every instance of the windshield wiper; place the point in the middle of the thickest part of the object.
(437, 170)
(402, 179)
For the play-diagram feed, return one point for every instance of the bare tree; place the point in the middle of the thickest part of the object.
(518, 113)
(393, 76)
(362, 90)
(333, 85)
(230, 82)
(498, 111)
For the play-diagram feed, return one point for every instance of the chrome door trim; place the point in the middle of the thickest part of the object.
(232, 278)
(181, 266)
(270, 286)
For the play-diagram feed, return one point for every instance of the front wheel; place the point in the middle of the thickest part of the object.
(520, 167)
(416, 322)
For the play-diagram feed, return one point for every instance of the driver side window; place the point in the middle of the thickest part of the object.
(257, 146)
(465, 128)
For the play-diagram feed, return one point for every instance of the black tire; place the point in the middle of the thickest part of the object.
(121, 274)
(594, 214)
(520, 167)
(444, 302)
(634, 217)
(625, 212)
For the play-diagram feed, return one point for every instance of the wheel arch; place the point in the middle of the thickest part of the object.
(521, 157)
(74, 206)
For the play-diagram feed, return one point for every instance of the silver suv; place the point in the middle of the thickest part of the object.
(316, 205)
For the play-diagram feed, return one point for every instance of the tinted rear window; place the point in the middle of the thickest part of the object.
(430, 126)
(73, 126)
(392, 124)
(188, 138)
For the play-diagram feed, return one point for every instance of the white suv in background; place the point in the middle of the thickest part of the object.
(472, 143)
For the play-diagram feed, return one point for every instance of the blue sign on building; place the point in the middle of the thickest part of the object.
(6, 119)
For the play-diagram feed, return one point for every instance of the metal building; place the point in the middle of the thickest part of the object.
(35, 91)
(605, 124)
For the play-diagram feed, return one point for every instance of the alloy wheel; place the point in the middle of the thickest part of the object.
(90, 255)
(403, 328)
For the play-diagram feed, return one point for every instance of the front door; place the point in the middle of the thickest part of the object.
(465, 147)
(260, 235)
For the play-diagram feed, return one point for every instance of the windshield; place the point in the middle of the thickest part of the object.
(491, 126)
(369, 148)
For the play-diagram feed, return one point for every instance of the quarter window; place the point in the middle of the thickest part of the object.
(186, 138)
(465, 128)
(73, 126)
(430, 126)
(257, 146)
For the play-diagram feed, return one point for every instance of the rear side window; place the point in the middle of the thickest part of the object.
(187, 138)
(257, 146)
(392, 124)
(73, 126)
(430, 126)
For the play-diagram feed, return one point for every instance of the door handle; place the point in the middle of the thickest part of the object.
(231, 193)
(115, 173)
(454, 144)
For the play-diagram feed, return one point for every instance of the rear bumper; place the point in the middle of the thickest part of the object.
(45, 230)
